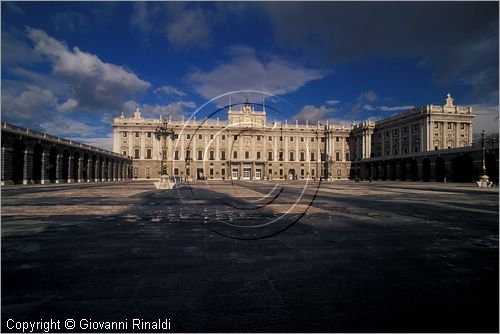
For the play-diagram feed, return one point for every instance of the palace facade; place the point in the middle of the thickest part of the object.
(247, 147)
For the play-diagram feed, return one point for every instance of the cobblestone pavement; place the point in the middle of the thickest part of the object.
(339, 256)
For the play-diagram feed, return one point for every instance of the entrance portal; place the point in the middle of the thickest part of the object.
(247, 171)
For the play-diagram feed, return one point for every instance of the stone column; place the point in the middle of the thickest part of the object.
(3, 164)
(96, 170)
(103, 170)
(89, 168)
(79, 173)
(70, 169)
(59, 163)
(28, 166)
(43, 177)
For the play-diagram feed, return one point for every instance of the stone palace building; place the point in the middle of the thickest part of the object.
(247, 147)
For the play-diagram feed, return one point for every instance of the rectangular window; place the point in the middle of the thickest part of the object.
(223, 171)
(395, 131)
(200, 136)
(337, 139)
(280, 156)
(436, 125)
(313, 157)
(176, 155)
(211, 172)
(212, 155)
(462, 126)
(176, 136)
(281, 138)
(211, 137)
(347, 156)
(188, 136)
(281, 171)
(270, 138)
(176, 171)
(137, 134)
(292, 157)
(200, 155)
(302, 156)
(247, 155)
(270, 172)
(270, 156)
(235, 137)
(258, 138)
(136, 153)
(148, 153)
(124, 152)
(223, 137)
(188, 154)
(449, 125)
(291, 138)
(223, 155)
(415, 127)
(149, 134)
(302, 139)
(258, 155)
(405, 129)
(124, 135)
(322, 139)
(235, 155)
(337, 156)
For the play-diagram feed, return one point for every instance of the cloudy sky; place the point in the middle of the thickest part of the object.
(69, 68)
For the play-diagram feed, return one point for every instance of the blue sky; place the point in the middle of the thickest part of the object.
(68, 68)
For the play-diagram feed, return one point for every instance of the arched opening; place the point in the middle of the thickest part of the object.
(100, 175)
(392, 165)
(440, 169)
(53, 164)
(426, 170)
(402, 170)
(413, 170)
(37, 163)
(65, 165)
(18, 162)
(85, 167)
(76, 166)
(93, 175)
(384, 171)
(106, 169)
(462, 169)
(491, 167)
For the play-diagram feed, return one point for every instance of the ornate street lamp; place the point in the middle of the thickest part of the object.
(484, 180)
(162, 133)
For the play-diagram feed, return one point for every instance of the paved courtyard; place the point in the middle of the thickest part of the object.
(212, 257)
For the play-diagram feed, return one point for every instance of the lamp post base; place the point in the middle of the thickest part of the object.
(484, 182)
(164, 183)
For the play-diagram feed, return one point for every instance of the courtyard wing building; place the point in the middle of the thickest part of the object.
(247, 147)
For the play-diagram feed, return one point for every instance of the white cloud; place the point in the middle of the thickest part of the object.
(30, 104)
(311, 113)
(94, 84)
(277, 76)
(66, 127)
(169, 90)
(189, 28)
(369, 107)
(486, 118)
(101, 142)
(175, 110)
(332, 102)
(67, 106)
(369, 96)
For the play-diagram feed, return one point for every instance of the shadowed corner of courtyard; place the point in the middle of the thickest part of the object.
(381, 256)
